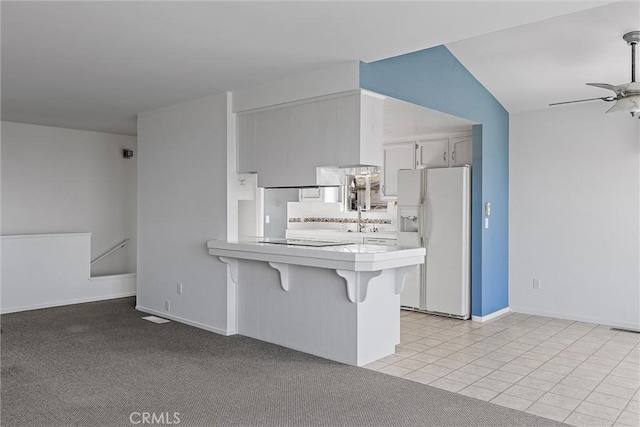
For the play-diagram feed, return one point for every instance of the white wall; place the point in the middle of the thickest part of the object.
(182, 203)
(49, 270)
(250, 204)
(58, 180)
(574, 214)
(338, 78)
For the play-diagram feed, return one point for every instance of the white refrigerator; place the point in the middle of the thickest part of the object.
(434, 211)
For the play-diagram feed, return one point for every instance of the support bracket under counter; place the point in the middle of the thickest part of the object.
(232, 263)
(401, 274)
(283, 269)
(357, 283)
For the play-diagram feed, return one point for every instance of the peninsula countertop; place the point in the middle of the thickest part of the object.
(347, 256)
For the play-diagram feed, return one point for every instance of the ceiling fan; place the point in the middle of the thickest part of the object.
(627, 96)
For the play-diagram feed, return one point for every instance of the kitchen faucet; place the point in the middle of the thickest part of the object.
(360, 224)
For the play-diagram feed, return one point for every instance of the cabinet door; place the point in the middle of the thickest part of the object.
(396, 156)
(433, 153)
(461, 150)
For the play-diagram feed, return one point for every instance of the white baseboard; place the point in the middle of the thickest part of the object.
(69, 302)
(586, 319)
(112, 277)
(490, 316)
(166, 315)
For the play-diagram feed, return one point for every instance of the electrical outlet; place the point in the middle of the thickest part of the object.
(179, 288)
(536, 283)
(167, 305)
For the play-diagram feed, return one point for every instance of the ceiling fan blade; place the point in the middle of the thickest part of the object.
(605, 98)
(617, 89)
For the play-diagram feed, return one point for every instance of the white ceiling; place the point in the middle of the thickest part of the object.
(403, 119)
(530, 66)
(95, 65)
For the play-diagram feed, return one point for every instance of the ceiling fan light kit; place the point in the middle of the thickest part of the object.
(627, 96)
(629, 104)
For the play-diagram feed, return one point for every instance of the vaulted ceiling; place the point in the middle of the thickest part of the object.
(532, 65)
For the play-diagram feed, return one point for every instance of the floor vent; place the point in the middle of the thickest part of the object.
(633, 331)
(156, 319)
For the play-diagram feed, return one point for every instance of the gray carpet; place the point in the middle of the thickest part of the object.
(97, 363)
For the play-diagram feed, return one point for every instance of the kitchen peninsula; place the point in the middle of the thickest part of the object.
(335, 300)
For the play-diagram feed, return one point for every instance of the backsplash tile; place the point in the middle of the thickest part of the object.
(331, 216)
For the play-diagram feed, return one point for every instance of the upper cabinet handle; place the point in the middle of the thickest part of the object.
(444, 156)
(453, 155)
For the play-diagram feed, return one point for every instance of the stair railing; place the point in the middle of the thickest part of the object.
(110, 251)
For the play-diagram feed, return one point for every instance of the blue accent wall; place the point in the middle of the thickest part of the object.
(435, 79)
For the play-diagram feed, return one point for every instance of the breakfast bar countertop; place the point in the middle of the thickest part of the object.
(349, 256)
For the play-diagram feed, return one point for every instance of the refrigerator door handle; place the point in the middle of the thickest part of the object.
(420, 221)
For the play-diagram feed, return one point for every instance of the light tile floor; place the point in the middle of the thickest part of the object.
(580, 373)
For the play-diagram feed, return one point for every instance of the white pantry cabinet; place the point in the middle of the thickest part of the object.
(285, 144)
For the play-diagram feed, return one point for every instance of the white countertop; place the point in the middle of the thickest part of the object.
(356, 257)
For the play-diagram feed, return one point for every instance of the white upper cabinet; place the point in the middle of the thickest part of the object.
(461, 150)
(285, 144)
(433, 153)
(397, 156)
(427, 152)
